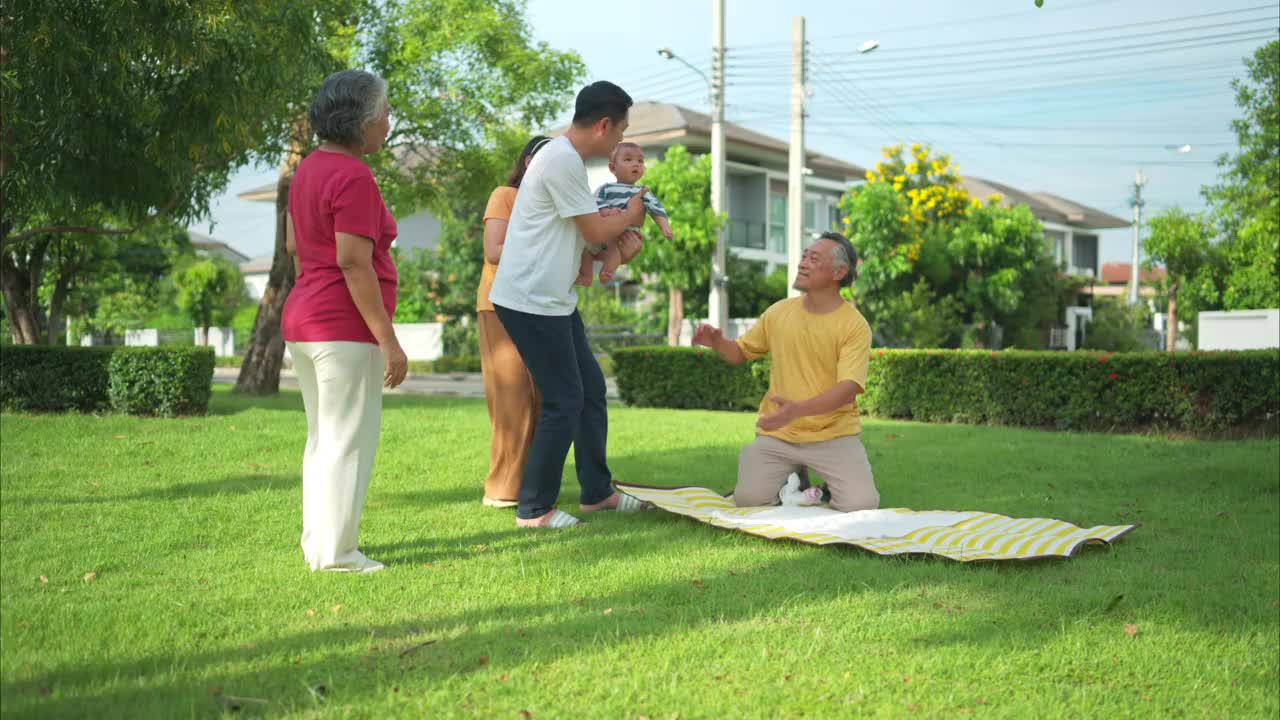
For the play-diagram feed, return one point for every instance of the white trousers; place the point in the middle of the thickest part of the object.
(341, 386)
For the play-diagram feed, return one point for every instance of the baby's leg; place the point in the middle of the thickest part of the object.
(611, 257)
(584, 269)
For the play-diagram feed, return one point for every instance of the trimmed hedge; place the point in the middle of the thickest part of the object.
(140, 381)
(684, 378)
(41, 378)
(1196, 392)
(161, 381)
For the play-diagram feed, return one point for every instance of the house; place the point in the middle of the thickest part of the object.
(213, 248)
(255, 271)
(755, 177)
(1114, 281)
(1071, 237)
(421, 230)
(1070, 229)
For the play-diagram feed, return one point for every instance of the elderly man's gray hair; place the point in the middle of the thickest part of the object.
(347, 102)
(843, 255)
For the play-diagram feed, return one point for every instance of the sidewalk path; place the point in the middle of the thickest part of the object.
(466, 385)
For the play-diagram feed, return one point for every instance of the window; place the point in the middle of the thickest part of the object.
(778, 222)
(821, 214)
(1084, 251)
(1055, 244)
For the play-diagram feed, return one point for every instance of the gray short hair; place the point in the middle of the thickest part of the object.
(347, 102)
(843, 255)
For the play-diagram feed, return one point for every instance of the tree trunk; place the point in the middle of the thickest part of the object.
(20, 283)
(1171, 336)
(260, 371)
(675, 315)
(60, 290)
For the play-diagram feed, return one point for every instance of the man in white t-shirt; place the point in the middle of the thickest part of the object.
(553, 219)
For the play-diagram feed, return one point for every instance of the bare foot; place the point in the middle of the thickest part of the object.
(584, 279)
(535, 522)
(553, 519)
(606, 277)
(609, 503)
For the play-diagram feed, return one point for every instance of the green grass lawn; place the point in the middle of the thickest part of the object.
(201, 595)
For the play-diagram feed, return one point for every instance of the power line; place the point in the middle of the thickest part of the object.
(941, 48)
(1059, 59)
(1019, 38)
(1124, 50)
(948, 23)
(1128, 73)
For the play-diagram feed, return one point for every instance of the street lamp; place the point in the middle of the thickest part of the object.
(796, 170)
(669, 54)
(718, 298)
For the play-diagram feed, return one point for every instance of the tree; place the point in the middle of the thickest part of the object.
(457, 90)
(1180, 242)
(1116, 327)
(934, 259)
(683, 184)
(130, 112)
(82, 273)
(899, 222)
(995, 254)
(209, 291)
(1246, 202)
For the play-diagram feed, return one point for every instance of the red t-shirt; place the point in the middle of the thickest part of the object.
(332, 193)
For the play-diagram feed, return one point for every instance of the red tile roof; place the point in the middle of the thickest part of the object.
(1118, 274)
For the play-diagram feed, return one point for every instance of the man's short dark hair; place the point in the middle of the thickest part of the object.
(845, 256)
(600, 100)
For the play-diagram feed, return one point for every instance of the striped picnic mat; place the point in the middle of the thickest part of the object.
(962, 536)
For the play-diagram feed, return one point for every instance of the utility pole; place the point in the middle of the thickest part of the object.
(1136, 202)
(718, 303)
(795, 172)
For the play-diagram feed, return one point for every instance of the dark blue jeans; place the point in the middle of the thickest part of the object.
(574, 409)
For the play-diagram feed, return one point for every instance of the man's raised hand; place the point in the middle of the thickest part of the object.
(707, 336)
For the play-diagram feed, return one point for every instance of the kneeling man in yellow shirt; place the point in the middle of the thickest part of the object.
(819, 347)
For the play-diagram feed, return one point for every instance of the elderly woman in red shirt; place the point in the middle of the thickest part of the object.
(337, 320)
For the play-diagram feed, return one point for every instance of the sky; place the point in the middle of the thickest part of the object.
(1072, 98)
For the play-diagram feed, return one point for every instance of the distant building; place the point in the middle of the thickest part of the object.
(212, 247)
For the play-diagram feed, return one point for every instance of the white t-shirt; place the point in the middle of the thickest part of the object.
(543, 249)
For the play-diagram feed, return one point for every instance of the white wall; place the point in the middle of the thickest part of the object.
(418, 231)
(142, 338)
(1239, 329)
(421, 341)
(256, 284)
(222, 340)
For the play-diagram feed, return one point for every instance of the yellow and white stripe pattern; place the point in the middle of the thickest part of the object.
(982, 536)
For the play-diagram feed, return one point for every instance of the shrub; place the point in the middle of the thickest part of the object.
(1117, 328)
(1196, 392)
(456, 364)
(45, 378)
(139, 381)
(684, 378)
(161, 381)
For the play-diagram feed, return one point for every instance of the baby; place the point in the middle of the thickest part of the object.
(627, 165)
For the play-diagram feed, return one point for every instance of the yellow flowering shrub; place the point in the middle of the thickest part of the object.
(931, 184)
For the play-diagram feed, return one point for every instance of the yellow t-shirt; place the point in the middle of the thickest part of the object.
(499, 208)
(810, 353)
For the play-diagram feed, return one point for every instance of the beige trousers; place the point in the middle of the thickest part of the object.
(763, 467)
(341, 385)
(513, 408)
